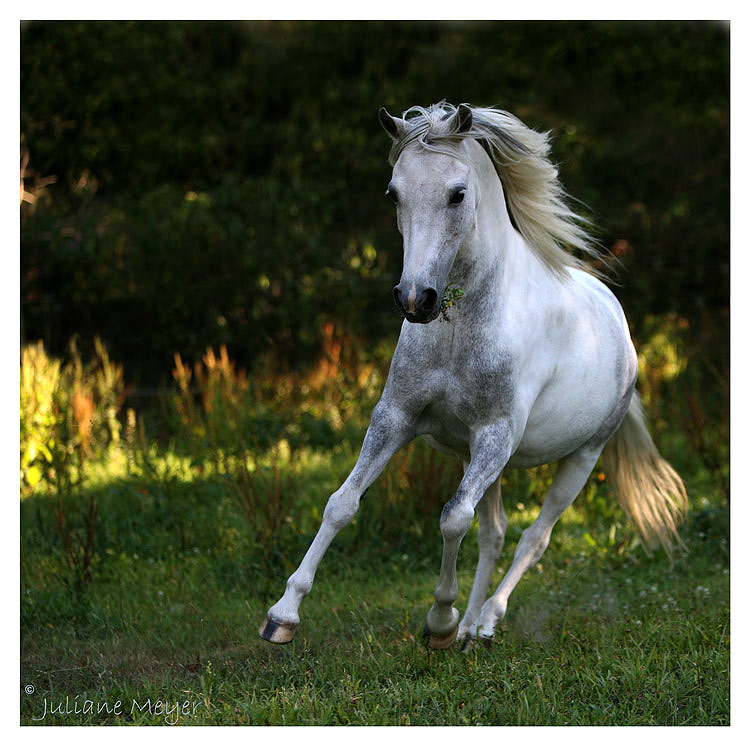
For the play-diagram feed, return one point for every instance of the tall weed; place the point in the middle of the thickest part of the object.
(252, 430)
(411, 492)
(225, 423)
(68, 417)
(69, 414)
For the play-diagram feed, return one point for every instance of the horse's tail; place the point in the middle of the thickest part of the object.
(648, 489)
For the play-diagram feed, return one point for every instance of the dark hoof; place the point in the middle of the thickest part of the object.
(441, 643)
(276, 632)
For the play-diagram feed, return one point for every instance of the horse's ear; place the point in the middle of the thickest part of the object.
(462, 119)
(394, 126)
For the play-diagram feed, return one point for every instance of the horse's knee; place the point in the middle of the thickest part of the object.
(341, 507)
(456, 519)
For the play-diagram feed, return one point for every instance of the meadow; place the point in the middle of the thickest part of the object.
(153, 541)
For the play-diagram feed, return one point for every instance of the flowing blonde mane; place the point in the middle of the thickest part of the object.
(534, 195)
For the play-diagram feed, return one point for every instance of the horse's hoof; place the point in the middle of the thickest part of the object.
(277, 632)
(441, 643)
(466, 644)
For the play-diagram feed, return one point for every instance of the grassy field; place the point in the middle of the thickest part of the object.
(150, 554)
(597, 634)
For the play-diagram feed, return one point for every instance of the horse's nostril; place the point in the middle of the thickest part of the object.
(428, 300)
(397, 297)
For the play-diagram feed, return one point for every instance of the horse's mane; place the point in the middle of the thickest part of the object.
(534, 195)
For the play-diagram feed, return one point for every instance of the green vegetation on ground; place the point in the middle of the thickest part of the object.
(147, 567)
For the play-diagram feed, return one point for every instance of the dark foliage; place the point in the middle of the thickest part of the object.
(197, 184)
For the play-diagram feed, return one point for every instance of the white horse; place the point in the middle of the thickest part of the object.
(534, 365)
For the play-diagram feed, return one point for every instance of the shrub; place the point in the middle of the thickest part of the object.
(68, 414)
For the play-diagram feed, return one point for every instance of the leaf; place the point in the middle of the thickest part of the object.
(33, 475)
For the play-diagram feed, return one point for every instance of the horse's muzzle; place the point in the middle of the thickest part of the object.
(419, 305)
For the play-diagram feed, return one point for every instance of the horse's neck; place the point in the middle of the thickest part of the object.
(496, 259)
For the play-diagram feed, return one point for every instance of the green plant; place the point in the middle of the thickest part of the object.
(218, 413)
(39, 413)
(78, 542)
(69, 413)
(264, 494)
(68, 418)
(411, 492)
(451, 295)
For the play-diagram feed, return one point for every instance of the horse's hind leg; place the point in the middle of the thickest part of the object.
(572, 473)
(491, 535)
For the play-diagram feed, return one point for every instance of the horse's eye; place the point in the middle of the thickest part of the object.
(393, 194)
(457, 197)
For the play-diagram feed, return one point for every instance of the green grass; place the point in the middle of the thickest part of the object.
(597, 634)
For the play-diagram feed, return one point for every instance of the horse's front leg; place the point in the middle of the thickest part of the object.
(390, 429)
(490, 452)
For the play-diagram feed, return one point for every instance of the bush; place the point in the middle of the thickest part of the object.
(198, 184)
(40, 376)
(68, 414)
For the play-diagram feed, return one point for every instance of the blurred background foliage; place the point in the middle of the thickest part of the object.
(193, 184)
(205, 246)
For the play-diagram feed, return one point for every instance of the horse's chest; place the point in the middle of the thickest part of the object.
(464, 396)
(444, 429)
(478, 387)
